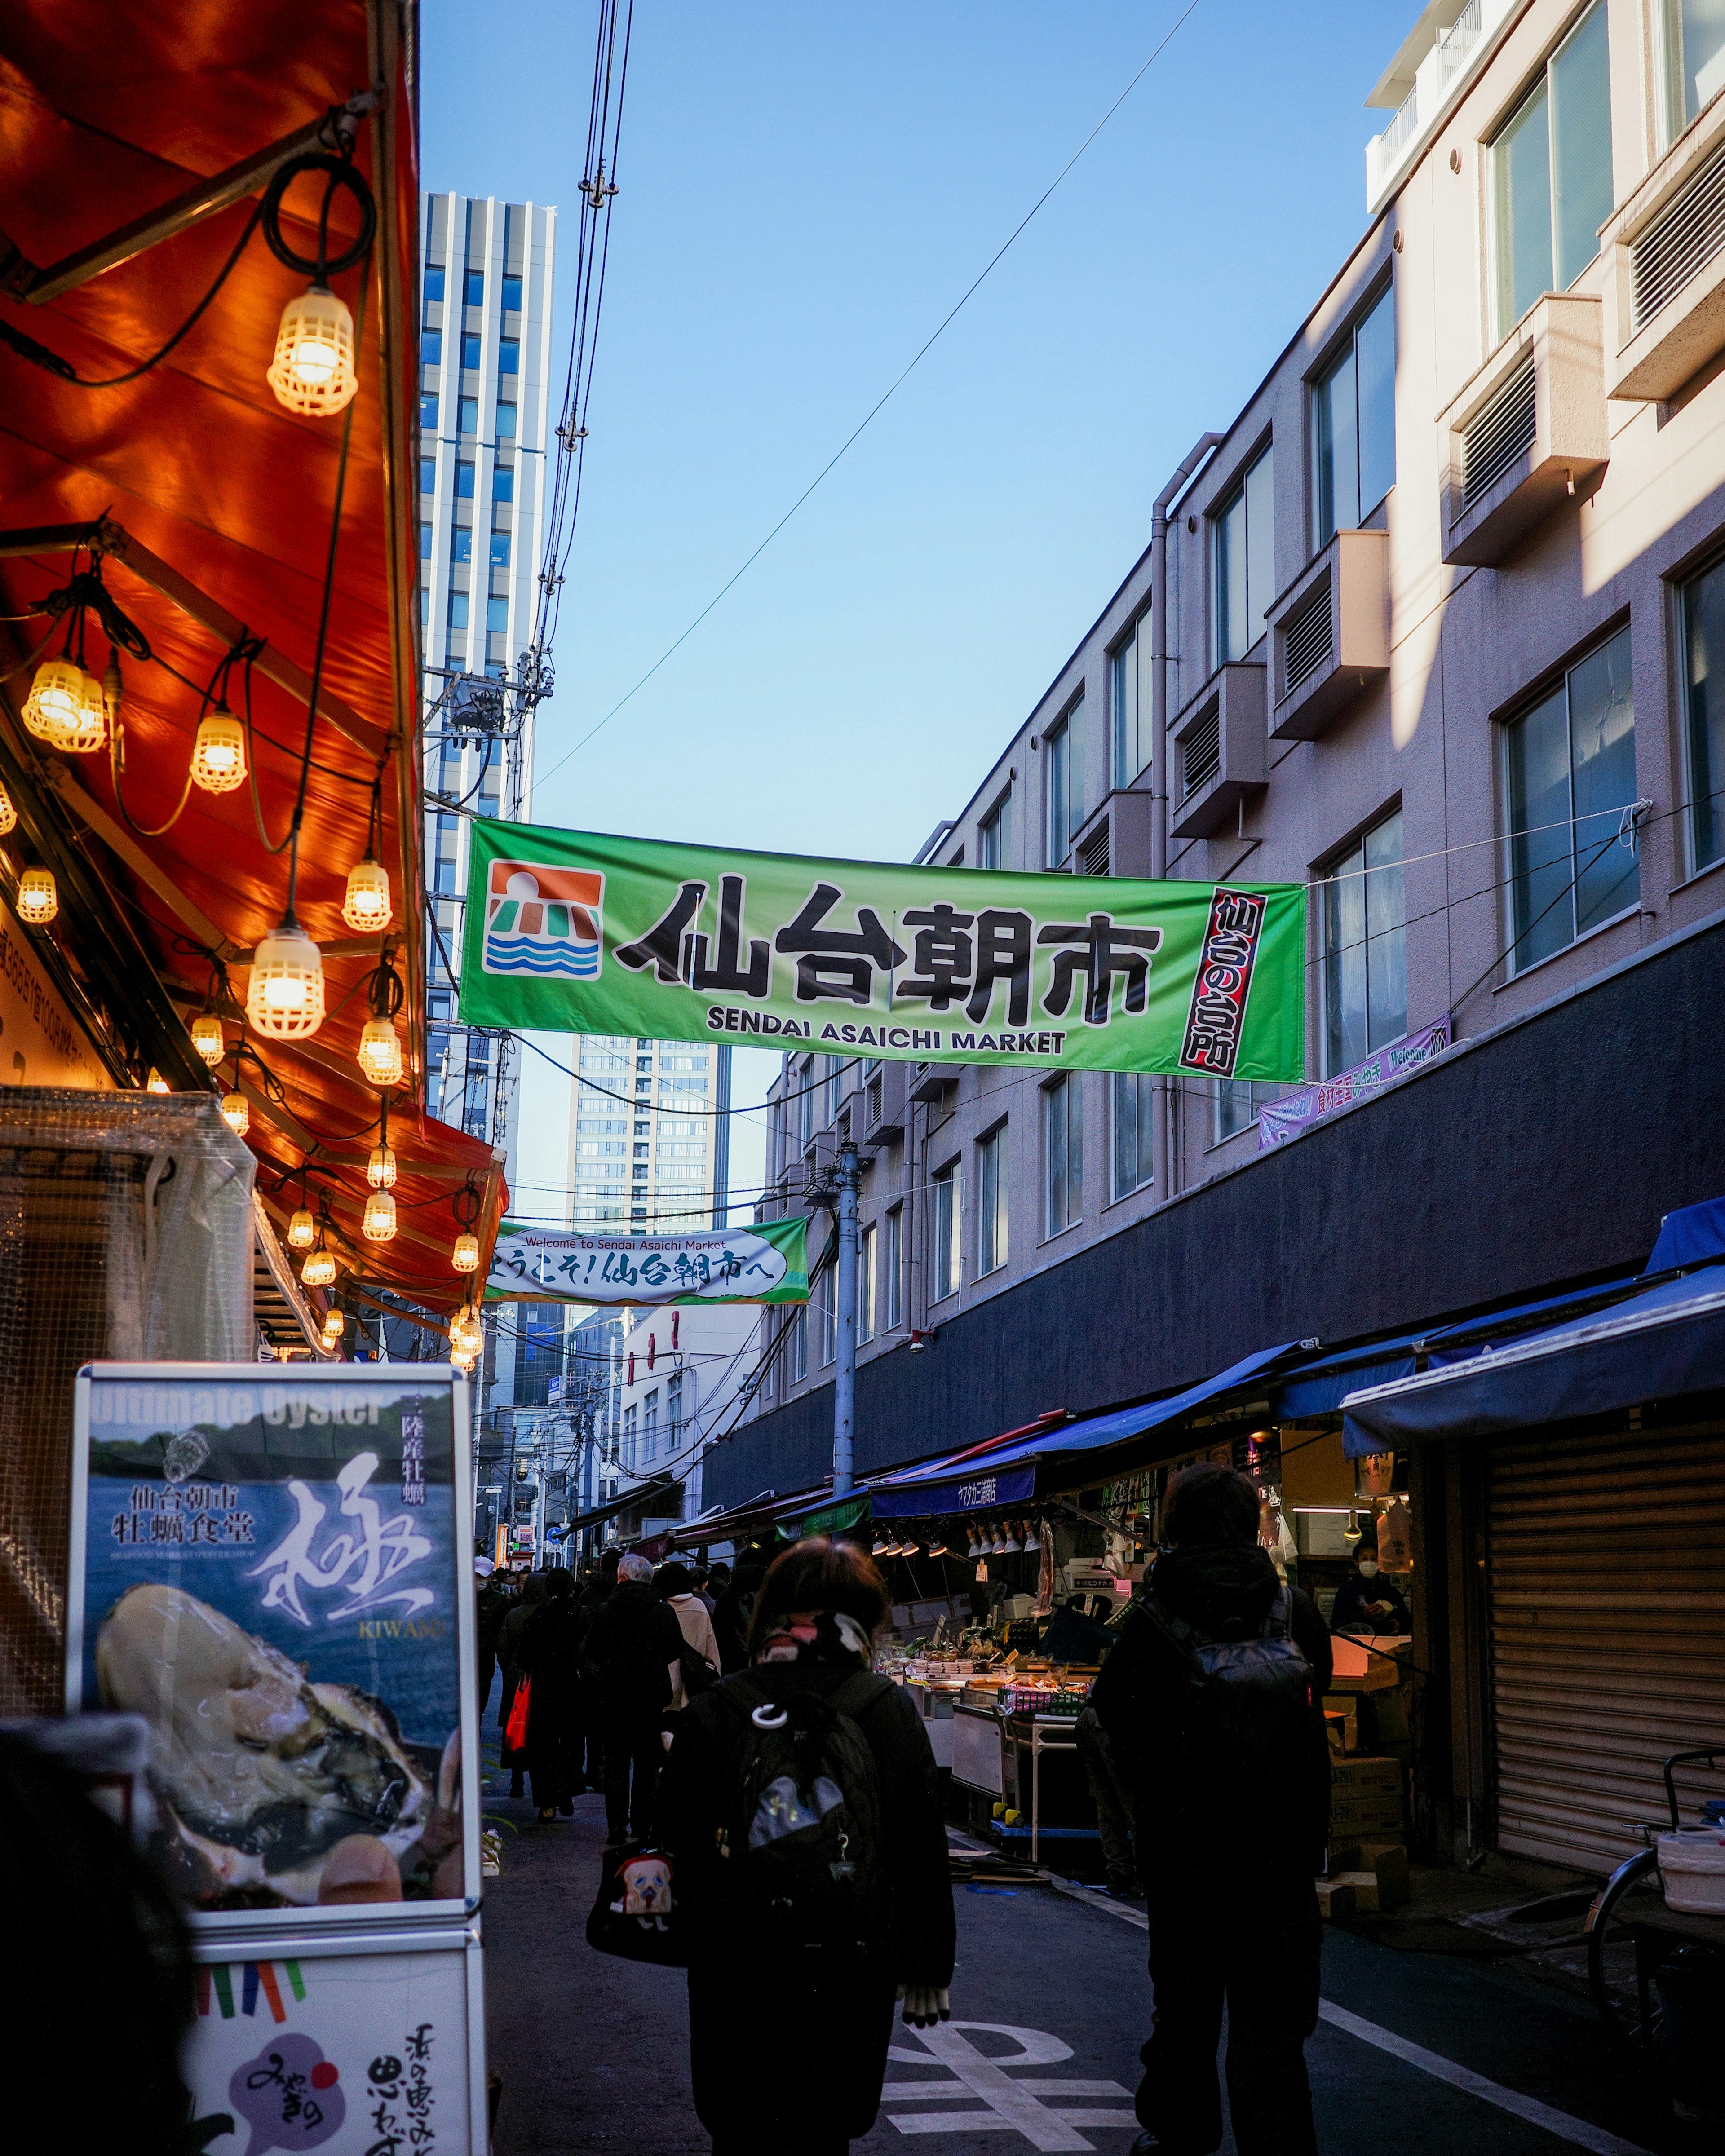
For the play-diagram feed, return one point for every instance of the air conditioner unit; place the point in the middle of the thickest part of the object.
(1664, 251)
(883, 1103)
(1329, 635)
(927, 1081)
(1217, 754)
(1116, 840)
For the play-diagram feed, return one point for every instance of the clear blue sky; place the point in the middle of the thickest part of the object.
(806, 189)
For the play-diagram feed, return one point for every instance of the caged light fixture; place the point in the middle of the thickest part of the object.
(38, 898)
(156, 1083)
(465, 1256)
(313, 370)
(378, 1222)
(367, 908)
(236, 1113)
(218, 752)
(380, 1056)
(467, 1331)
(319, 1269)
(380, 1167)
(8, 815)
(284, 997)
(208, 1039)
(302, 1230)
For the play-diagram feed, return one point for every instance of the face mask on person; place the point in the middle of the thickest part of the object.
(1369, 1567)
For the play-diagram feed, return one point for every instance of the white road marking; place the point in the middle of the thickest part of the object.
(1012, 2106)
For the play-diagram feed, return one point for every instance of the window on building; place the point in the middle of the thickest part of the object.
(1062, 1155)
(509, 356)
(470, 354)
(944, 1227)
(837, 1073)
(991, 1202)
(505, 422)
(892, 1269)
(1570, 782)
(464, 478)
(503, 483)
(424, 542)
(473, 289)
(1353, 424)
(434, 282)
(1062, 775)
(467, 415)
(828, 1292)
(458, 610)
(1238, 1103)
(865, 1284)
(799, 1344)
(631, 1436)
(511, 294)
(1365, 954)
(1243, 547)
(649, 1425)
(499, 550)
(1551, 174)
(1704, 713)
(427, 475)
(804, 1083)
(431, 348)
(461, 543)
(1129, 704)
(1694, 59)
(993, 834)
(496, 616)
(428, 411)
(673, 1410)
(1131, 1129)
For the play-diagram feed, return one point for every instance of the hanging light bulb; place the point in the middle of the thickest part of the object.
(367, 909)
(937, 1547)
(1032, 1535)
(302, 1230)
(1350, 1533)
(53, 708)
(1011, 1545)
(208, 1039)
(466, 1256)
(237, 1113)
(333, 1322)
(319, 1269)
(881, 1549)
(156, 1083)
(313, 370)
(380, 1168)
(284, 998)
(380, 1057)
(462, 1359)
(87, 728)
(8, 815)
(973, 1547)
(218, 752)
(38, 898)
(379, 1223)
(467, 1331)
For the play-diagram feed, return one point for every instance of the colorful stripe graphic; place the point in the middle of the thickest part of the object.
(272, 1991)
(224, 1989)
(255, 1976)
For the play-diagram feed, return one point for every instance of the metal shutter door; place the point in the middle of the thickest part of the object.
(1606, 1559)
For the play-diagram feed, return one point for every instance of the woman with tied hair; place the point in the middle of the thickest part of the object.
(815, 2086)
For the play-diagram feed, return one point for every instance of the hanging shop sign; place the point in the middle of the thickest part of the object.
(1281, 1120)
(969, 1493)
(571, 932)
(276, 1574)
(768, 1263)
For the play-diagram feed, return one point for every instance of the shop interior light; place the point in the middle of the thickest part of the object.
(218, 752)
(313, 369)
(319, 1269)
(8, 815)
(237, 1113)
(38, 898)
(380, 1168)
(207, 1038)
(378, 1224)
(380, 1056)
(156, 1083)
(937, 1547)
(302, 1230)
(466, 1256)
(367, 908)
(1350, 1533)
(1032, 1535)
(1011, 1545)
(284, 999)
(882, 1548)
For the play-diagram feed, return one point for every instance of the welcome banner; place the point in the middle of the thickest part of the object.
(767, 1263)
(568, 931)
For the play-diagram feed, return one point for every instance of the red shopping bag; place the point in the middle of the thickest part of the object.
(515, 1730)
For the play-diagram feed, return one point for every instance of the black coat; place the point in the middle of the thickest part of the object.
(1276, 1823)
(548, 1652)
(1348, 1612)
(632, 1640)
(731, 1612)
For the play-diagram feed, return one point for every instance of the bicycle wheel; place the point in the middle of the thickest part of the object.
(1611, 1956)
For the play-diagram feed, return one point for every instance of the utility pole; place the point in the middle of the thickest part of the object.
(844, 1380)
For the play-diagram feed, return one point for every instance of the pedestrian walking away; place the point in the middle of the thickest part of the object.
(633, 1650)
(492, 1602)
(800, 1807)
(733, 1610)
(699, 1661)
(549, 1653)
(1212, 1702)
(509, 1636)
(1113, 1800)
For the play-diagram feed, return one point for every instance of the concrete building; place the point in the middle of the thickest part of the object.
(649, 1142)
(682, 1371)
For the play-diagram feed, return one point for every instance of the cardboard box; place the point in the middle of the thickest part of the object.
(1340, 1704)
(1356, 1818)
(1364, 1886)
(1335, 1898)
(1388, 1863)
(1340, 1731)
(1368, 1774)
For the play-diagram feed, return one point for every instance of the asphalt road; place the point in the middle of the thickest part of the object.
(1417, 2053)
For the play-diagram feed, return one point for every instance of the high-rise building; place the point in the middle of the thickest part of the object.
(649, 1142)
(485, 449)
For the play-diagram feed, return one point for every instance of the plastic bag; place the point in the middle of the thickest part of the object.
(515, 1731)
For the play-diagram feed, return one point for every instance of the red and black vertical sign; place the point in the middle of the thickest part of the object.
(1217, 1017)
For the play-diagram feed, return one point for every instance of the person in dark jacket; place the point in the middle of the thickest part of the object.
(634, 1648)
(733, 1611)
(817, 2058)
(492, 1603)
(1368, 1600)
(509, 1638)
(597, 1587)
(1228, 1846)
(549, 1652)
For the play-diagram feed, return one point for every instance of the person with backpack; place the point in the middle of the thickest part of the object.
(634, 1650)
(800, 1808)
(1212, 1702)
(699, 1658)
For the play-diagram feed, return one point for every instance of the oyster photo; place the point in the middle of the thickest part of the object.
(259, 1771)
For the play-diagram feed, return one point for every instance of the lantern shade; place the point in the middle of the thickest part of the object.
(156, 1083)
(380, 1168)
(467, 1332)
(302, 1231)
(207, 1038)
(87, 728)
(38, 898)
(380, 1057)
(284, 999)
(378, 1223)
(8, 815)
(313, 369)
(219, 753)
(53, 709)
(466, 1256)
(319, 1269)
(367, 907)
(237, 1113)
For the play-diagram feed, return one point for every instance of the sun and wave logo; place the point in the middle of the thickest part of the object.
(543, 921)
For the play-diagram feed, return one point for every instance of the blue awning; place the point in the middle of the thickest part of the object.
(1664, 1344)
(1009, 1474)
(1690, 1236)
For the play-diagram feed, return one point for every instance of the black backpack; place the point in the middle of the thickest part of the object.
(1246, 1700)
(802, 1837)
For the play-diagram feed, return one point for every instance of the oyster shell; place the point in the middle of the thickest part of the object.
(263, 1771)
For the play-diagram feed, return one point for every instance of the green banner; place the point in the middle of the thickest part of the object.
(571, 932)
(766, 1263)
